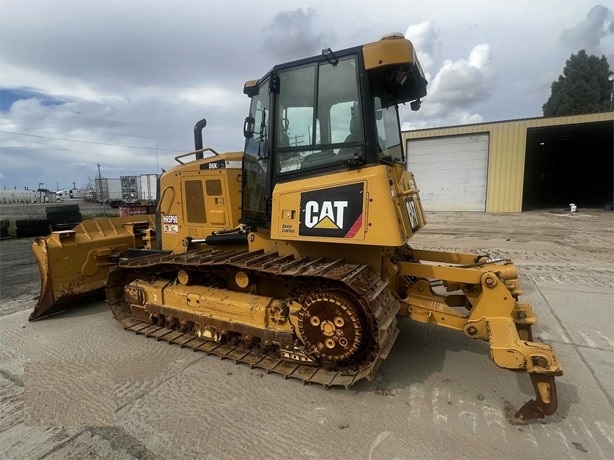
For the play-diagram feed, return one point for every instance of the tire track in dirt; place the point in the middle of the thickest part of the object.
(481, 417)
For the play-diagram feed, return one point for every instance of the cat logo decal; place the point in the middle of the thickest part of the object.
(332, 212)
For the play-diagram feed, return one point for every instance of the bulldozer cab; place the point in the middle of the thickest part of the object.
(326, 114)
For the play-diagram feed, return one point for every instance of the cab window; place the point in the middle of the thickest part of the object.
(389, 148)
(256, 158)
(319, 122)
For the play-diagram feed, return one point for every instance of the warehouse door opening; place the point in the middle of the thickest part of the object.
(451, 171)
(569, 164)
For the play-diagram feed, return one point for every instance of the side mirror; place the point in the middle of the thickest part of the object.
(248, 127)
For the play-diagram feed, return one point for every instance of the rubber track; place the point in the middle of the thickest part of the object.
(358, 278)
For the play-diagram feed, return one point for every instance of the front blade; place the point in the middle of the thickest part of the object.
(75, 263)
(56, 290)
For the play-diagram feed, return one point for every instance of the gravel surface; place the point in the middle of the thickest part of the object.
(77, 385)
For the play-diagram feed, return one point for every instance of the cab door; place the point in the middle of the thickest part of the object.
(256, 197)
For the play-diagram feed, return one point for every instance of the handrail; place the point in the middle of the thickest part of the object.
(195, 152)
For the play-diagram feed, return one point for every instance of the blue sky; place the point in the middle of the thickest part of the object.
(132, 77)
(10, 95)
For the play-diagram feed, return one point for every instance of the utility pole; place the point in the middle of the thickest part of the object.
(104, 208)
(157, 161)
(40, 192)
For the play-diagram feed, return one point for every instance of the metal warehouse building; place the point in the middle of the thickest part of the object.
(515, 165)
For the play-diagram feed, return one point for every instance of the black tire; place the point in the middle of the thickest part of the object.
(33, 223)
(4, 232)
(30, 232)
(65, 218)
(57, 227)
(62, 209)
(4, 223)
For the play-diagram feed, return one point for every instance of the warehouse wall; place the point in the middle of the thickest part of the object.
(506, 157)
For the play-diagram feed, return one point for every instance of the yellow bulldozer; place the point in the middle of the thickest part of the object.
(293, 256)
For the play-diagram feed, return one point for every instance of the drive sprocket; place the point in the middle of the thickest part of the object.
(330, 327)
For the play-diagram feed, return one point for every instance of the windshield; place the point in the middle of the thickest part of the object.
(318, 116)
(387, 125)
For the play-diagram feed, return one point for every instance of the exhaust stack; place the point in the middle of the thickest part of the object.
(198, 137)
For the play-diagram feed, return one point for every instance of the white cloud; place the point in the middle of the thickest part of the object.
(465, 81)
(450, 118)
(424, 38)
(209, 95)
(458, 86)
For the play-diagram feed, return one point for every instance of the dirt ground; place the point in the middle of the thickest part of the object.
(77, 385)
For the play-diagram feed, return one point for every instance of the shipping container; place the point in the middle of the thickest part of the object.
(136, 210)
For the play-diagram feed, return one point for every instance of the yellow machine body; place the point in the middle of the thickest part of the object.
(372, 206)
(199, 198)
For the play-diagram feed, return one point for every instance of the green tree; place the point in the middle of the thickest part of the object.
(583, 87)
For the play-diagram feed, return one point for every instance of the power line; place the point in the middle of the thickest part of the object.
(88, 142)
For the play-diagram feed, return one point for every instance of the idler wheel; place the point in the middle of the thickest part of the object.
(330, 326)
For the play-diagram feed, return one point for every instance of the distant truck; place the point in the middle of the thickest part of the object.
(109, 191)
(72, 194)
